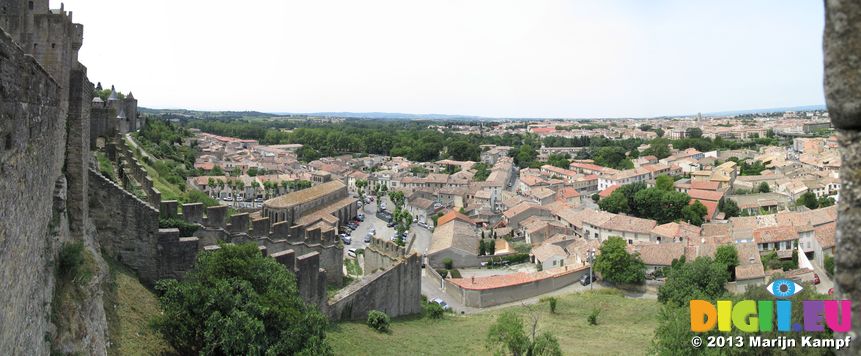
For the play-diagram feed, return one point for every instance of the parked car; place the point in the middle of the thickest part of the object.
(383, 206)
(346, 239)
(585, 279)
(228, 198)
(422, 224)
(391, 224)
(258, 200)
(368, 237)
(441, 303)
(351, 252)
(816, 279)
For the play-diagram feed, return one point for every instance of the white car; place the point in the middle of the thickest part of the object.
(383, 206)
(351, 252)
(441, 303)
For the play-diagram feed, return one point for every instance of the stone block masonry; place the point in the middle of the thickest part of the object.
(32, 130)
(395, 290)
(127, 226)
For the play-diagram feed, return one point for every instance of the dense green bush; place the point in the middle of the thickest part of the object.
(434, 311)
(71, 259)
(448, 263)
(378, 321)
(829, 265)
(185, 229)
(454, 273)
(552, 301)
(236, 301)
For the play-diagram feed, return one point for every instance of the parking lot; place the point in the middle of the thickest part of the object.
(423, 235)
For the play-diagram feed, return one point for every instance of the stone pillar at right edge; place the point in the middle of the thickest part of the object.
(842, 46)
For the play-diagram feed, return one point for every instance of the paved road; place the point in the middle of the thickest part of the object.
(135, 145)
(825, 283)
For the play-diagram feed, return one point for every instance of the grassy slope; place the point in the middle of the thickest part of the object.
(625, 326)
(129, 307)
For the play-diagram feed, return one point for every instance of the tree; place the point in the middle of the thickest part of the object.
(491, 246)
(826, 202)
(809, 200)
(701, 279)
(596, 197)
(694, 132)
(665, 183)
(694, 213)
(236, 301)
(403, 220)
(658, 148)
(660, 132)
(727, 255)
(481, 249)
(615, 264)
(615, 203)
(507, 336)
(729, 207)
(360, 188)
(611, 156)
(764, 188)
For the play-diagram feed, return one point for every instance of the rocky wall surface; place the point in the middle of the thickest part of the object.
(32, 122)
(842, 46)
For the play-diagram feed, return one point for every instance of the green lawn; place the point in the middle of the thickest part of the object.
(625, 326)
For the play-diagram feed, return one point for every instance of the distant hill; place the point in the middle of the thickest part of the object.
(760, 111)
(206, 114)
(389, 115)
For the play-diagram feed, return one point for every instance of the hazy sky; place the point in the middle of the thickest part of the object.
(488, 58)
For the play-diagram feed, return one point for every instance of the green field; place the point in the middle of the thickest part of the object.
(625, 326)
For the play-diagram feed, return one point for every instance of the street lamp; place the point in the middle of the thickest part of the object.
(591, 256)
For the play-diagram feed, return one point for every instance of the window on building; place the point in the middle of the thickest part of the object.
(30, 5)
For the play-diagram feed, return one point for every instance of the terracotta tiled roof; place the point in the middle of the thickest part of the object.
(512, 279)
(825, 235)
(629, 224)
(661, 254)
(606, 192)
(775, 234)
(452, 215)
(704, 194)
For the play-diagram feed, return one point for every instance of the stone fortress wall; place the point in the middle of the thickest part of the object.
(49, 123)
(392, 284)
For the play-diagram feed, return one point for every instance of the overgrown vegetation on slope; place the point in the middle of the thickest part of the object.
(129, 307)
(621, 318)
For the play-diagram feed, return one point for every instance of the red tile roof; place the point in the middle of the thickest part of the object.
(512, 279)
(451, 215)
(705, 194)
(606, 192)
